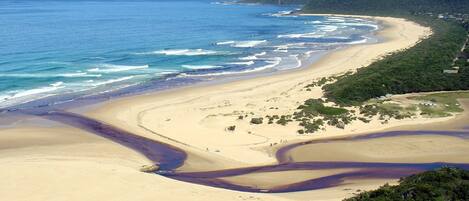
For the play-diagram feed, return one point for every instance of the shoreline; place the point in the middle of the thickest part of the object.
(191, 101)
(194, 119)
(69, 101)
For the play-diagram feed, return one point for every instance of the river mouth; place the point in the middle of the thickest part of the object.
(310, 165)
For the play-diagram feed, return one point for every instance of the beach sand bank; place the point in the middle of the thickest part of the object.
(196, 118)
(71, 164)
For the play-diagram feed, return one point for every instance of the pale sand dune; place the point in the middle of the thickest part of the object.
(69, 164)
(196, 118)
(404, 149)
(268, 180)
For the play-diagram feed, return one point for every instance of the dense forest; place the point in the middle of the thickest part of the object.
(276, 1)
(441, 184)
(417, 69)
(378, 7)
(386, 7)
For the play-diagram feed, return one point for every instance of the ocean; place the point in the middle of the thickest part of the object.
(55, 52)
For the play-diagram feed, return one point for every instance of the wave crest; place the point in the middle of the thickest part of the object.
(111, 68)
(183, 52)
(200, 67)
(243, 44)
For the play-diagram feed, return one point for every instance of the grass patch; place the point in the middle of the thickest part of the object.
(387, 111)
(313, 107)
(313, 114)
(447, 100)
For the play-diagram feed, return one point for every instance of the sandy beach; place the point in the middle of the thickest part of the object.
(196, 118)
(65, 163)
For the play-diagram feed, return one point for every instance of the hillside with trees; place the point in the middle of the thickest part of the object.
(418, 69)
(386, 7)
(422, 68)
(442, 184)
(276, 1)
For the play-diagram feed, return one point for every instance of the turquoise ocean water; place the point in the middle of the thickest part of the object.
(53, 52)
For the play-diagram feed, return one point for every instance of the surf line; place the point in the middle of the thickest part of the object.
(169, 158)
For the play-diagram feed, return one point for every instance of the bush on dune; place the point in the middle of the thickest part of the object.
(438, 185)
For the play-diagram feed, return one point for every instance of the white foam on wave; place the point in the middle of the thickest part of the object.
(111, 68)
(183, 52)
(226, 42)
(314, 22)
(364, 40)
(227, 3)
(243, 44)
(57, 84)
(302, 35)
(253, 57)
(201, 67)
(298, 60)
(166, 72)
(24, 96)
(309, 53)
(283, 14)
(247, 63)
(77, 75)
(112, 81)
(80, 75)
(36, 91)
(319, 36)
(374, 26)
(336, 19)
(271, 64)
(282, 48)
(328, 28)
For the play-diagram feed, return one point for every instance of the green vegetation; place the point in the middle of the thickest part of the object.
(313, 107)
(439, 185)
(398, 73)
(434, 64)
(386, 7)
(231, 128)
(386, 111)
(311, 126)
(313, 113)
(325, 80)
(440, 104)
(257, 120)
(417, 69)
(284, 119)
(275, 1)
(320, 82)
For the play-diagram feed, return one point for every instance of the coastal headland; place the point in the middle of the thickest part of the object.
(195, 121)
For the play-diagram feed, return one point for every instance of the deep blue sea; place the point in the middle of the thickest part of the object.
(57, 51)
